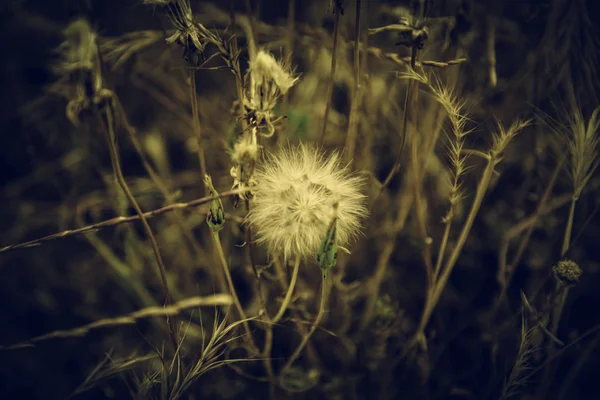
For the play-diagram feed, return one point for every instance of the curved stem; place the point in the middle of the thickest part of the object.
(236, 299)
(107, 129)
(312, 330)
(290, 291)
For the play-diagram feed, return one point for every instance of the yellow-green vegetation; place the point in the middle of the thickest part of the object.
(301, 199)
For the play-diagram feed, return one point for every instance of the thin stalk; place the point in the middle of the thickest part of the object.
(336, 28)
(506, 272)
(162, 187)
(236, 300)
(233, 54)
(290, 291)
(352, 117)
(121, 270)
(266, 355)
(289, 50)
(375, 281)
(118, 221)
(196, 121)
(160, 184)
(568, 229)
(109, 136)
(269, 331)
(312, 330)
(435, 292)
(251, 254)
(420, 211)
(560, 305)
(443, 245)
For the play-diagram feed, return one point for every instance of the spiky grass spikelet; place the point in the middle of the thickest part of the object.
(294, 201)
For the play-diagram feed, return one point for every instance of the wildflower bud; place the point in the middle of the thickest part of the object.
(567, 272)
(216, 216)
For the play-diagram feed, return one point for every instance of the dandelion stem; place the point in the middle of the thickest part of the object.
(290, 291)
(312, 330)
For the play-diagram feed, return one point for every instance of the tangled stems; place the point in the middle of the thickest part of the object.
(436, 289)
(109, 136)
(312, 330)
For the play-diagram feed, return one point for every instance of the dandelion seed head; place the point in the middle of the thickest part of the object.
(294, 200)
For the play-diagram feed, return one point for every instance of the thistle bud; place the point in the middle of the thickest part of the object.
(216, 216)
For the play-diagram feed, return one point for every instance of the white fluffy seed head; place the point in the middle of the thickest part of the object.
(294, 200)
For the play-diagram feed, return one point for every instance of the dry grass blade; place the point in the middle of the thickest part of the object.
(117, 221)
(517, 378)
(117, 50)
(212, 352)
(114, 368)
(129, 319)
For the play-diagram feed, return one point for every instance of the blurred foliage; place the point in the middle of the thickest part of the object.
(524, 60)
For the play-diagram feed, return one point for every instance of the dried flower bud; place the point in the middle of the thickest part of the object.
(567, 272)
(244, 157)
(187, 33)
(216, 215)
(269, 80)
(79, 69)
